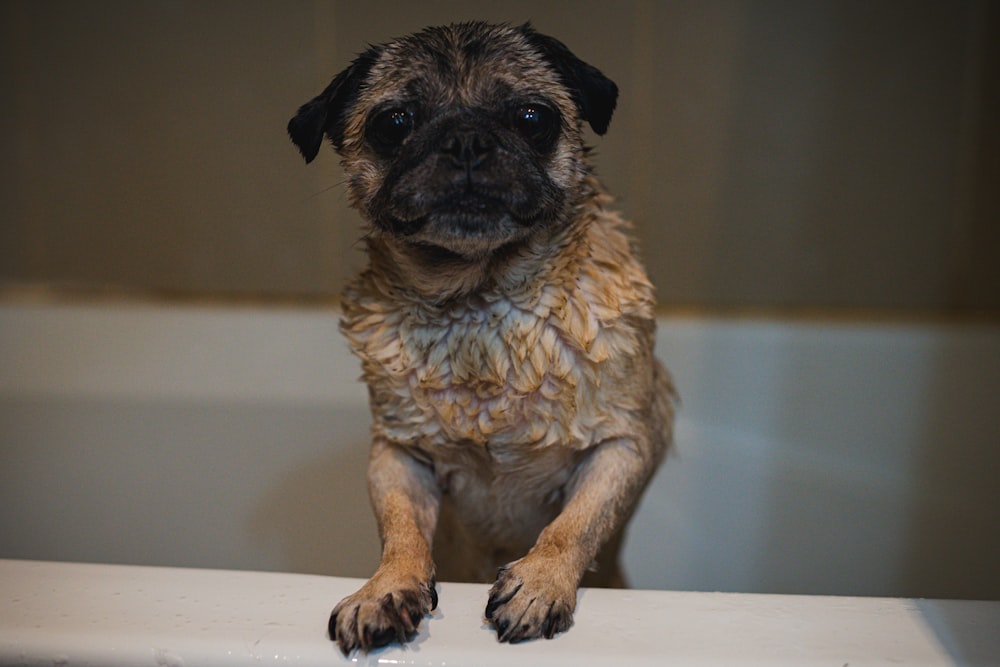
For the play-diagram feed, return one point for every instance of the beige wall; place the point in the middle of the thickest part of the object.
(820, 154)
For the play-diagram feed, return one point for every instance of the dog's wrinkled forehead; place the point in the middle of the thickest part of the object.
(465, 65)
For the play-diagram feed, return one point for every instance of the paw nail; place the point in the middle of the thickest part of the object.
(491, 607)
(331, 627)
(381, 637)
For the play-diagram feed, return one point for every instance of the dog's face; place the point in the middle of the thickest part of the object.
(462, 140)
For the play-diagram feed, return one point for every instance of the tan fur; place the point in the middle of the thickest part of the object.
(518, 408)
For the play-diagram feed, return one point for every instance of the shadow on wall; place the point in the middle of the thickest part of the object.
(319, 518)
(953, 545)
(888, 485)
(827, 458)
(236, 485)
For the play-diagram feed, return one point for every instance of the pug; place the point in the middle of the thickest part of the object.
(504, 324)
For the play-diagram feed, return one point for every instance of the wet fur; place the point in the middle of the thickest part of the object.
(518, 409)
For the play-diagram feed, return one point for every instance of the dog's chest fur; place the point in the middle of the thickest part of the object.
(515, 367)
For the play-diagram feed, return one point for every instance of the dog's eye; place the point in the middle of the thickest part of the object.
(389, 128)
(537, 123)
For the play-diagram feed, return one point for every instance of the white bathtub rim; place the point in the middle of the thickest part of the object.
(70, 613)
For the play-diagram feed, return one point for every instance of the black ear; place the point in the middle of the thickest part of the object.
(326, 113)
(595, 94)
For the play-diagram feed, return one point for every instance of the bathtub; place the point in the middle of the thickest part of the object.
(195, 474)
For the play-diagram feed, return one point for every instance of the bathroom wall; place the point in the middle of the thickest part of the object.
(773, 153)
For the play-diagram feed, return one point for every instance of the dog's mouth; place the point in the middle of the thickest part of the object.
(466, 224)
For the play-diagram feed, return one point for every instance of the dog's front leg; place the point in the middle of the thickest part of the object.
(391, 604)
(536, 595)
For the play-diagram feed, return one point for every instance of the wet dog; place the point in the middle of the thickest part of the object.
(504, 325)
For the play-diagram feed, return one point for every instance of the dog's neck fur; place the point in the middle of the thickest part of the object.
(540, 329)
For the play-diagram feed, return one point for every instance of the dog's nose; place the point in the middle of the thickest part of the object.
(467, 147)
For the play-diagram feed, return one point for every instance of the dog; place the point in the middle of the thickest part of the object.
(504, 324)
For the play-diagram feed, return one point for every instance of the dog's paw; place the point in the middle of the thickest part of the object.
(531, 598)
(380, 612)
